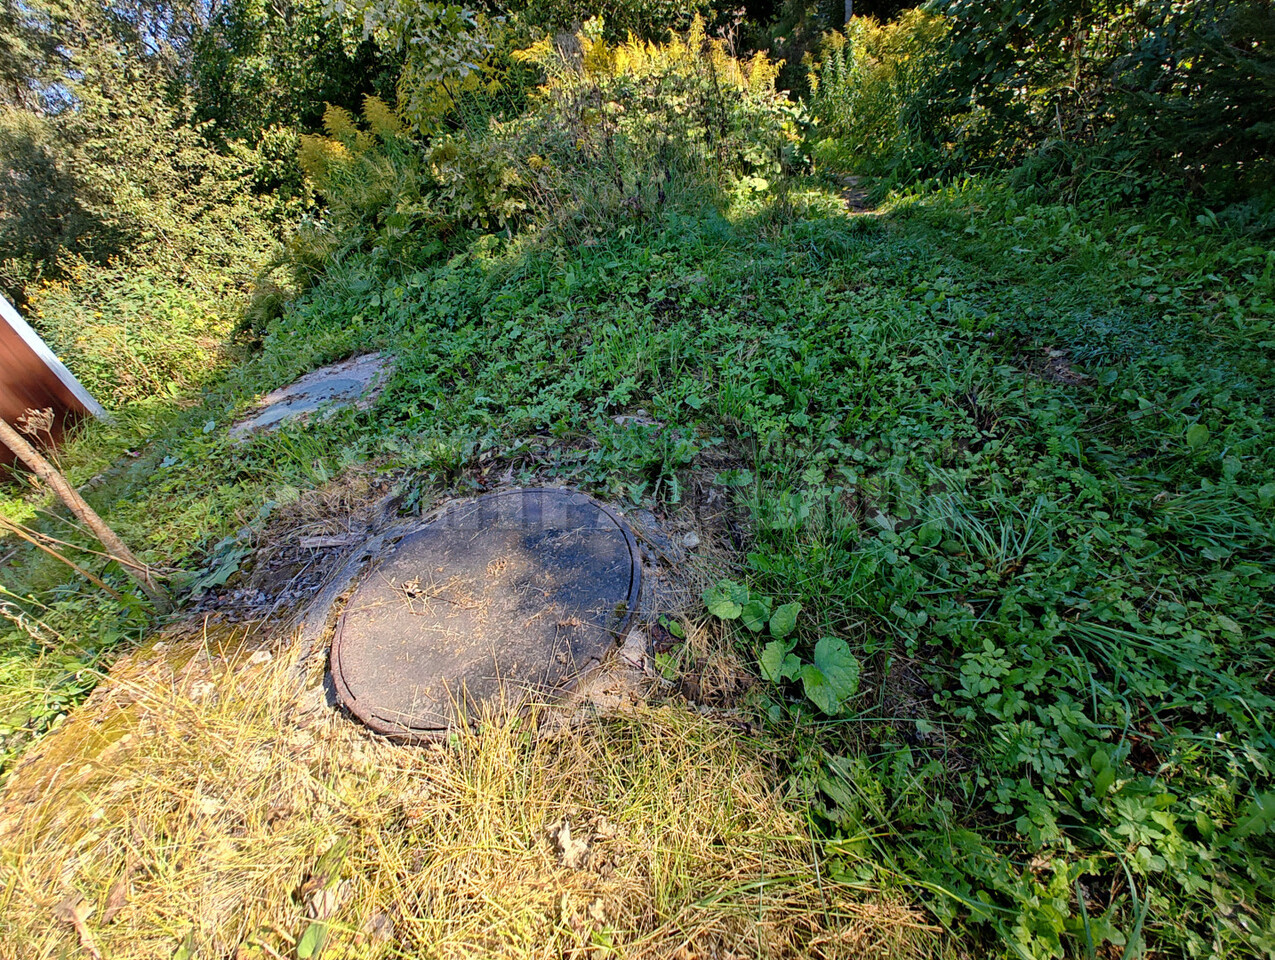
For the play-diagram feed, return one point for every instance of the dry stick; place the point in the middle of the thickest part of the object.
(54, 541)
(114, 545)
(12, 527)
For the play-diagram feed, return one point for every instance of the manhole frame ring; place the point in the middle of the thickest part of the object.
(397, 731)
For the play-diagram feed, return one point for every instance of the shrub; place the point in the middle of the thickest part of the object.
(654, 20)
(397, 197)
(132, 331)
(620, 129)
(1119, 97)
(614, 132)
(864, 87)
(128, 237)
(1186, 87)
(131, 240)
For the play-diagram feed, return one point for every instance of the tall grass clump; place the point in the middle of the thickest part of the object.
(212, 812)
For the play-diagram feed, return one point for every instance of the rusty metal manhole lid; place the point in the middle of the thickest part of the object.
(511, 595)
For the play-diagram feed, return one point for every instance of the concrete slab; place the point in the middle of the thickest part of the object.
(355, 382)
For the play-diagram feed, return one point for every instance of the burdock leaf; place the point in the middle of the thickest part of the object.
(784, 620)
(726, 599)
(772, 660)
(834, 676)
(755, 613)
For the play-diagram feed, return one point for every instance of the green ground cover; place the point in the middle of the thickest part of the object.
(1000, 450)
(1017, 458)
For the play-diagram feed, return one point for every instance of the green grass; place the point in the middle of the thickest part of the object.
(1019, 458)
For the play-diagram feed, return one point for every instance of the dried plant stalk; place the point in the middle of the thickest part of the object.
(70, 496)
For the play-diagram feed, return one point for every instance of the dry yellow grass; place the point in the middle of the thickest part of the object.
(189, 805)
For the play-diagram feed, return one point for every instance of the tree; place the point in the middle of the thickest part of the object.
(255, 65)
(1186, 87)
(30, 49)
(444, 48)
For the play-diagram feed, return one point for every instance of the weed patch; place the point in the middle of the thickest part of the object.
(1054, 579)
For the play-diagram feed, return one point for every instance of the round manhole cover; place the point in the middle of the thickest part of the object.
(510, 595)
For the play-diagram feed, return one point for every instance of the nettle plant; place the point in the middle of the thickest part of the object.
(830, 679)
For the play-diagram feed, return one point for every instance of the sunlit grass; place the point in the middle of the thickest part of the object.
(195, 800)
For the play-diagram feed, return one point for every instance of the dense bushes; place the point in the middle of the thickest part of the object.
(130, 241)
(123, 158)
(644, 19)
(1129, 93)
(615, 132)
(148, 170)
(865, 90)
(1181, 89)
(255, 66)
(628, 127)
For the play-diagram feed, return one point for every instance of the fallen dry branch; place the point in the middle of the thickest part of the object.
(76, 504)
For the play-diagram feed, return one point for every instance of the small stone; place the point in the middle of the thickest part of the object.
(323, 903)
(691, 540)
(379, 926)
(633, 651)
(356, 382)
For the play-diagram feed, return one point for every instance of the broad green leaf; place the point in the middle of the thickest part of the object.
(1105, 929)
(772, 660)
(817, 689)
(840, 669)
(1226, 623)
(1266, 494)
(778, 661)
(312, 941)
(1197, 435)
(930, 534)
(726, 599)
(667, 664)
(792, 667)
(784, 620)
(1103, 781)
(755, 613)
(1259, 817)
